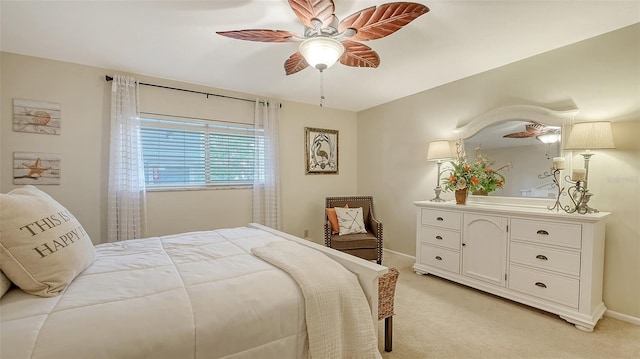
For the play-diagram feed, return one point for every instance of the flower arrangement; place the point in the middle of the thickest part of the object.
(475, 176)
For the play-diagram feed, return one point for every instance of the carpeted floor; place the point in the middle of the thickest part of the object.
(436, 318)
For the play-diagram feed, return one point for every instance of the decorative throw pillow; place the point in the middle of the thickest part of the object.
(350, 220)
(43, 246)
(5, 284)
(333, 219)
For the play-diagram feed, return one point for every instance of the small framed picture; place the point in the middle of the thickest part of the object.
(36, 168)
(36, 116)
(321, 151)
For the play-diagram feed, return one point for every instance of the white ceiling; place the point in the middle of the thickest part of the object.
(177, 40)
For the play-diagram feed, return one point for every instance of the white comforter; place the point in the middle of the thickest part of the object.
(338, 317)
(196, 295)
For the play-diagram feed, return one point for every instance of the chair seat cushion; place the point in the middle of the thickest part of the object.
(354, 241)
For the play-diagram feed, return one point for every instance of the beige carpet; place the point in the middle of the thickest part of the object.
(436, 318)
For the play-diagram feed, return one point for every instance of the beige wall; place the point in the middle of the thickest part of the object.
(600, 76)
(84, 147)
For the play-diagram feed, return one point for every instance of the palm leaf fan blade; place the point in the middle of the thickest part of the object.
(306, 10)
(260, 35)
(375, 23)
(295, 63)
(359, 55)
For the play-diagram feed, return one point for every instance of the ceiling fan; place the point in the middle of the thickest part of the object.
(546, 134)
(326, 40)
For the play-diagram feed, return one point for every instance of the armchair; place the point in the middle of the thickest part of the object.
(364, 245)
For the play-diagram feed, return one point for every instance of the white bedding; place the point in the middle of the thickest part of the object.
(338, 318)
(195, 295)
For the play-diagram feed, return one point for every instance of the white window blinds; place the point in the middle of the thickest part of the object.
(187, 153)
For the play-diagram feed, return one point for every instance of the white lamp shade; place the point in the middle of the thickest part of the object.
(321, 52)
(439, 150)
(590, 136)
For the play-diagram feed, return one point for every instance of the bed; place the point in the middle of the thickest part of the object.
(211, 294)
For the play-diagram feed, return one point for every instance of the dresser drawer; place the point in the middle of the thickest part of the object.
(560, 234)
(440, 257)
(557, 260)
(445, 219)
(546, 286)
(441, 237)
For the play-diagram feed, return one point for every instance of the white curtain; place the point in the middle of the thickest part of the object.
(126, 195)
(266, 183)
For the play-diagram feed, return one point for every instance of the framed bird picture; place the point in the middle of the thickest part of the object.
(321, 151)
(36, 168)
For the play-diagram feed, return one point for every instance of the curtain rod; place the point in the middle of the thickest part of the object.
(109, 78)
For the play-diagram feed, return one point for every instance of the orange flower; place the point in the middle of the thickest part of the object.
(475, 180)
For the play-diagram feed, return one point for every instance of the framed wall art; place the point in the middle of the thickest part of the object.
(321, 151)
(36, 168)
(36, 116)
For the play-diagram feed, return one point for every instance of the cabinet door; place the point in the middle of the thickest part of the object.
(484, 248)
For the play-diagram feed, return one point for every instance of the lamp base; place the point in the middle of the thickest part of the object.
(437, 198)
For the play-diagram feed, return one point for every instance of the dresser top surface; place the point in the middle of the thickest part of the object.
(540, 211)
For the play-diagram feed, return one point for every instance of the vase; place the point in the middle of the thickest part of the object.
(480, 192)
(461, 196)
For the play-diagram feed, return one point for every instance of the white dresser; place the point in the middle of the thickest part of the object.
(546, 259)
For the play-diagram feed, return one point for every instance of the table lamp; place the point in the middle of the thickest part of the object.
(439, 151)
(588, 136)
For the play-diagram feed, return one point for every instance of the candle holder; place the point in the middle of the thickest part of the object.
(554, 173)
(579, 196)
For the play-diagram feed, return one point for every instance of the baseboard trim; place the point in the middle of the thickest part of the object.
(622, 317)
(400, 254)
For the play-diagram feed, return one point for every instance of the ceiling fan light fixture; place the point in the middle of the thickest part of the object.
(549, 138)
(321, 52)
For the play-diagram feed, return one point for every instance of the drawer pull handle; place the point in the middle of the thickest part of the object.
(439, 238)
(440, 219)
(543, 232)
(541, 285)
(541, 257)
(439, 258)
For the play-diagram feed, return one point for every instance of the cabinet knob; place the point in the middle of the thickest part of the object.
(541, 257)
(439, 238)
(541, 285)
(464, 244)
(542, 232)
(439, 258)
(440, 219)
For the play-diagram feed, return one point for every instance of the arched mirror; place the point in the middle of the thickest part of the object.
(527, 137)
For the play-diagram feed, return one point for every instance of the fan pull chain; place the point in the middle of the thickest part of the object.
(321, 87)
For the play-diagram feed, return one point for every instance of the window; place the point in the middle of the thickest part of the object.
(188, 153)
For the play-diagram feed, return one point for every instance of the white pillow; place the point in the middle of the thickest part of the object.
(350, 220)
(5, 284)
(43, 247)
